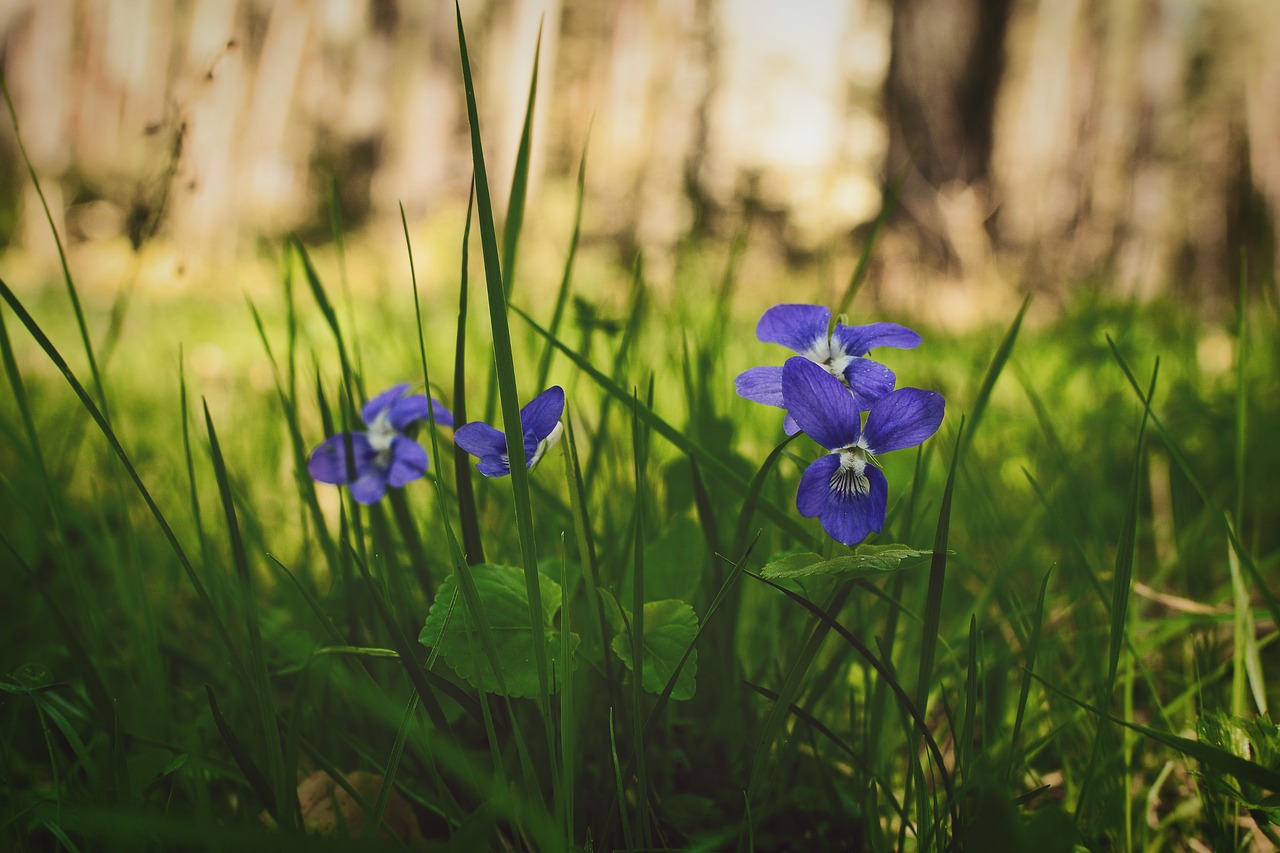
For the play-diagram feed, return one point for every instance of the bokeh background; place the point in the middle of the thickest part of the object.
(1126, 146)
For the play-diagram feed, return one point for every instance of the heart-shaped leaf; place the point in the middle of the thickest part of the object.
(505, 601)
(866, 560)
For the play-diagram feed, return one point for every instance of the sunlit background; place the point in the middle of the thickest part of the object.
(1127, 145)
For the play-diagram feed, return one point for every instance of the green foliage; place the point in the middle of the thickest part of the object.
(454, 632)
(191, 622)
(865, 561)
(669, 628)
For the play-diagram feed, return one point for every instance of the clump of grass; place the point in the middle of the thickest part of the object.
(641, 644)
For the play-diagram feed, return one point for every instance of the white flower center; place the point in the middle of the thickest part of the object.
(828, 353)
(851, 478)
(381, 434)
(546, 444)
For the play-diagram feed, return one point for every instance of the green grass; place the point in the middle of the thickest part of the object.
(191, 624)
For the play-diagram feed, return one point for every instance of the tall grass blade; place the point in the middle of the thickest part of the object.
(94, 412)
(351, 380)
(468, 515)
(637, 628)
(505, 370)
(562, 294)
(72, 293)
(1121, 588)
(1033, 649)
(263, 789)
(520, 179)
(937, 574)
(1179, 459)
(259, 679)
(996, 367)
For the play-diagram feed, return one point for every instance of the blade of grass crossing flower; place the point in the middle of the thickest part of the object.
(687, 445)
(1032, 651)
(72, 293)
(520, 179)
(468, 515)
(467, 583)
(1179, 459)
(260, 681)
(508, 396)
(562, 294)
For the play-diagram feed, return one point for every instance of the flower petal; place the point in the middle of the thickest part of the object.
(374, 407)
(869, 380)
(815, 485)
(408, 409)
(903, 418)
(494, 466)
(860, 340)
(540, 416)
(849, 517)
(760, 385)
(797, 327)
(370, 486)
(408, 461)
(820, 404)
(328, 462)
(789, 425)
(480, 439)
(444, 417)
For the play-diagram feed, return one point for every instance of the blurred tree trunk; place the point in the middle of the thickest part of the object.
(940, 94)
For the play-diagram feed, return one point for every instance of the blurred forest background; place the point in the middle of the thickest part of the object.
(1131, 146)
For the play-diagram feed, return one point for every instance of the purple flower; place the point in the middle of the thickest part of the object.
(383, 456)
(841, 350)
(845, 489)
(539, 422)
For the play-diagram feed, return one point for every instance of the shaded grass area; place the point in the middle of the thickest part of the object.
(110, 654)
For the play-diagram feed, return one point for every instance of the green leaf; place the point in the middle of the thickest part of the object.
(505, 601)
(669, 628)
(866, 560)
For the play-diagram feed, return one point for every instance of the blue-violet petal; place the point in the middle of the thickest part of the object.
(903, 418)
(820, 404)
(797, 327)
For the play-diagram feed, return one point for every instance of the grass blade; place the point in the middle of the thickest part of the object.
(520, 179)
(259, 680)
(468, 515)
(504, 364)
